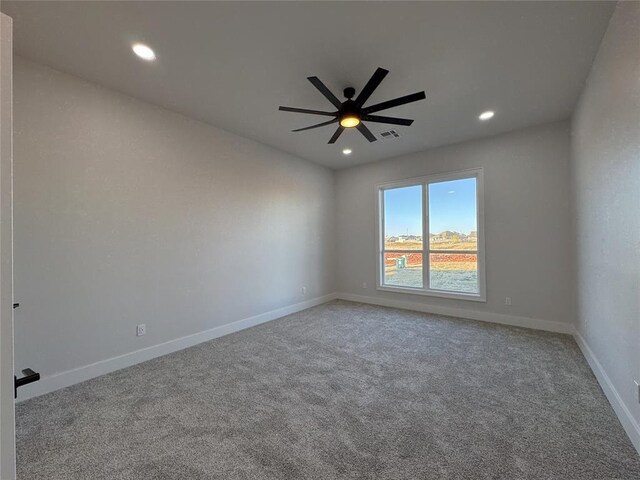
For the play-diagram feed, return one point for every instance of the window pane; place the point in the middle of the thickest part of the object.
(454, 272)
(403, 218)
(403, 269)
(453, 219)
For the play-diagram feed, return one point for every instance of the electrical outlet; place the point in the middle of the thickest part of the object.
(364, 284)
(507, 301)
(304, 290)
(141, 330)
(637, 390)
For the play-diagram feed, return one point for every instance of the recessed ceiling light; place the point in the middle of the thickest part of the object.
(144, 52)
(487, 115)
(347, 151)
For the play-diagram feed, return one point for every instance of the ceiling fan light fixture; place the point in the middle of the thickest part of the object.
(350, 121)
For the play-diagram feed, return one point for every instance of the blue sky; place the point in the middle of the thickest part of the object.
(452, 206)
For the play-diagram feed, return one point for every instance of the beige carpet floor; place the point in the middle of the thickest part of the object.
(339, 391)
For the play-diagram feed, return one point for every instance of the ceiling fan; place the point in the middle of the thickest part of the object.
(351, 113)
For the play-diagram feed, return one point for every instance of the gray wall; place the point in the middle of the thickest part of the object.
(527, 220)
(606, 186)
(126, 213)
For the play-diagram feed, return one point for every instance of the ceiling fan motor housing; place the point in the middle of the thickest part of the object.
(349, 109)
(349, 92)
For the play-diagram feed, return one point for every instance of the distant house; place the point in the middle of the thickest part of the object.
(449, 236)
(404, 238)
(446, 236)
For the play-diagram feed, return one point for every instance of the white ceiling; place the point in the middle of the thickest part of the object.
(232, 64)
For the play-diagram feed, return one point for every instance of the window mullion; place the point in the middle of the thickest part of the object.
(382, 233)
(425, 237)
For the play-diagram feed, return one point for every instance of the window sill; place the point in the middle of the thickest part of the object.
(472, 297)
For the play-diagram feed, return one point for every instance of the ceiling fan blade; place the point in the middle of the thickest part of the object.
(371, 85)
(366, 132)
(316, 126)
(337, 133)
(305, 110)
(391, 120)
(325, 91)
(396, 102)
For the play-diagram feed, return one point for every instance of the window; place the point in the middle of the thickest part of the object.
(448, 211)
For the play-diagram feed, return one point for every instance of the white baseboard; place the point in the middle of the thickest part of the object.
(501, 318)
(629, 423)
(70, 377)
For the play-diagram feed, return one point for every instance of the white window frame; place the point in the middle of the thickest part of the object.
(424, 181)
